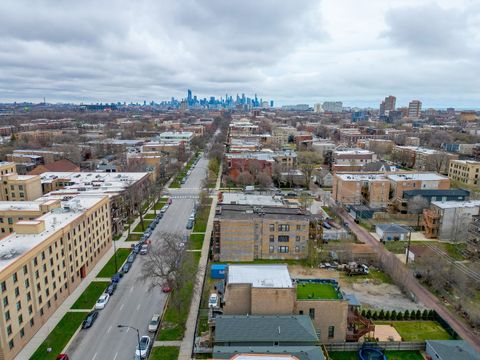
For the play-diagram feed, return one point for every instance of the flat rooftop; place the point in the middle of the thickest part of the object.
(117, 179)
(242, 212)
(417, 176)
(260, 276)
(252, 199)
(321, 290)
(361, 177)
(420, 149)
(456, 204)
(21, 205)
(14, 246)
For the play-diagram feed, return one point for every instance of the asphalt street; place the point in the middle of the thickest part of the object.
(132, 304)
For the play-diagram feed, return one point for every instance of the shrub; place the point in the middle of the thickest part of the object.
(418, 315)
(425, 314)
(381, 315)
(431, 314)
(364, 312)
(400, 316)
(387, 315)
(375, 316)
(393, 315)
(406, 315)
(369, 314)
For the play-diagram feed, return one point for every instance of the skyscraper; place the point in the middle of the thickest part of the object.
(388, 105)
(414, 108)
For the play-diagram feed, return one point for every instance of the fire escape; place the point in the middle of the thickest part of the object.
(430, 223)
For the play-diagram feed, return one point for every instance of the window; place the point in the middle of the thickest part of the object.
(297, 238)
(15, 278)
(283, 238)
(25, 269)
(272, 238)
(30, 309)
(272, 227)
(271, 249)
(27, 283)
(5, 301)
(22, 332)
(20, 319)
(283, 227)
(297, 249)
(10, 344)
(17, 292)
(311, 313)
(299, 227)
(283, 249)
(7, 315)
(19, 305)
(4, 286)
(32, 322)
(9, 330)
(331, 332)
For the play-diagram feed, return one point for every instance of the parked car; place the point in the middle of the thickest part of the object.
(166, 289)
(131, 258)
(154, 322)
(143, 348)
(89, 320)
(184, 180)
(159, 216)
(62, 357)
(169, 201)
(144, 249)
(102, 301)
(116, 277)
(111, 288)
(126, 267)
(189, 224)
(213, 301)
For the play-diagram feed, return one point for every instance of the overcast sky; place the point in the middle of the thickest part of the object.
(292, 51)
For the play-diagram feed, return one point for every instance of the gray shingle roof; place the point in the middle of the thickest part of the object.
(300, 352)
(247, 328)
(392, 228)
(453, 349)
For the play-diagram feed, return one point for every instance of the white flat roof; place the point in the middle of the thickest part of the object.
(417, 176)
(456, 204)
(363, 177)
(251, 199)
(260, 276)
(20, 205)
(13, 246)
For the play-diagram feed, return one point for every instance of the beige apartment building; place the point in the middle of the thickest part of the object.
(247, 233)
(13, 211)
(44, 260)
(465, 171)
(423, 159)
(269, 290)
(14, 187)
(7, 167)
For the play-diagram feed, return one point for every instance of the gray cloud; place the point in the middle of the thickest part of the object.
(286, 50)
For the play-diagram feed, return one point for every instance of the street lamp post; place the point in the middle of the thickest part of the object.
(138, 335)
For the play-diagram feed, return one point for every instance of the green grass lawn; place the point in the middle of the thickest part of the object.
(164, 353)
(196, 241)
(91, 294)
(419, 330)
(134, 237)
(173, 322)
(159, 205)
(316, 291)
(60, 336)
(201, 219)
(391, 355)
(149, 217)
(138, 228)
(454, 250)
(109, 268)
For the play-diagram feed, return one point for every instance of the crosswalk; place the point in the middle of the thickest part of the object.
(184, 197)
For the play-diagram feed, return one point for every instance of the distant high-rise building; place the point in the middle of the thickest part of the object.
(414, 108)
(271, 103)
(317, 108)
(382, 108)
(390, 103)
(332, 106)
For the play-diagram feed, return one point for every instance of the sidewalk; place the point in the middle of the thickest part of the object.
(189, 336)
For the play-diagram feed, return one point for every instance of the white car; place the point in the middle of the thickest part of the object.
(102, 301)
(153, 324)
(144, 347)
(213, 301)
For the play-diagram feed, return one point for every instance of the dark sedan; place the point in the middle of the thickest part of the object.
(90, 319)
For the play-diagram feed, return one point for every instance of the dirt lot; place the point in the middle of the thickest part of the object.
(371, 291)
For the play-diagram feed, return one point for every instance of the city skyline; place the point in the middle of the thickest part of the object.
(320, 51)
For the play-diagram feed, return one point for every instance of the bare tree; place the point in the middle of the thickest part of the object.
(245, 178)
(264, 179)
(439, 162)
(416, 205)
(307, 162)
(168, 264)
(305, 199)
